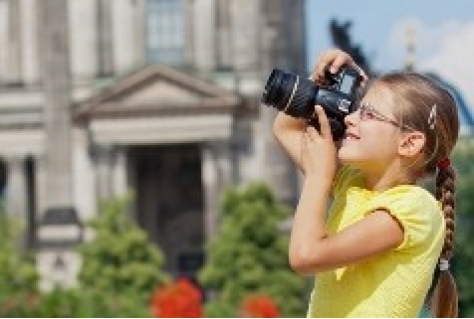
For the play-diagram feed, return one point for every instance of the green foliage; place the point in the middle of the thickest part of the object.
(249, 255)
(464, 250)
(73, 303)
(120, 260)
(18, 275)
(121, 269)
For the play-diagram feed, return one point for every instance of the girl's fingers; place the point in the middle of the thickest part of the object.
(339, 61)
(325, 59)
(334, 60)
(312, 133)
(325, 127)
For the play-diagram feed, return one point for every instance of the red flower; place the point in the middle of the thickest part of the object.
(259, 306)
(180, 299)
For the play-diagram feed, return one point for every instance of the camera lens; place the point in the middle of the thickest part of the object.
(278, 89)
(287, 92)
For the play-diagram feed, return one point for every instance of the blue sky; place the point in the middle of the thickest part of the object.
(444, 33)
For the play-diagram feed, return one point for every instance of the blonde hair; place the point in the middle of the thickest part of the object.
(425, 106)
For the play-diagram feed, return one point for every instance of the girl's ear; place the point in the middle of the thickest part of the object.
(411, 143)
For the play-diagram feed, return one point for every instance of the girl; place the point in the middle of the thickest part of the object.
(376, 252)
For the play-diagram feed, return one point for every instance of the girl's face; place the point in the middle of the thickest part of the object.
(371, 140)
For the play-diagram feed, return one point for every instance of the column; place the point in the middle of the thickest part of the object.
(139, 30)
(216, 176)
(59, 229)
(223, 34)
(3, 42)
(104, 162)
(14, 45)
(119, 172)
(54, 55)
(16, 187)
(104, 32)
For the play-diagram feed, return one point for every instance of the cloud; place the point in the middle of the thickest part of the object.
(446, 48)
(449, 51)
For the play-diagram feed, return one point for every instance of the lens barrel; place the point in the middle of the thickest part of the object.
(290, 93)
(278, 89)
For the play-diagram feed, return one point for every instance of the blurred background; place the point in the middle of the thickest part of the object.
(138, 171)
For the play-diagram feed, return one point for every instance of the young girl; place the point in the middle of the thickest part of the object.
(376, 251)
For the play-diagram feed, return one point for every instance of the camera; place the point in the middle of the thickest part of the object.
(297, 96)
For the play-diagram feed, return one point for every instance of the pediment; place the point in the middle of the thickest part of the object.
(157, 89)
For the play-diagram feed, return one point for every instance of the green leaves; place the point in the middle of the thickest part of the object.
(249, 254)
(463, 262)
(120, 257)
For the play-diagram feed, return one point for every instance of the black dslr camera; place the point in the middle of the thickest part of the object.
(297, 96)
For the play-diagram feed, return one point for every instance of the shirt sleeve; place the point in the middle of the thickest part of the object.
(417, 211)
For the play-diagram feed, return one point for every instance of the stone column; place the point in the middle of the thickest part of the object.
(16, 187)
(104, 163)
(216, 176)
(139, 31)
(104, 38)
(30, 65)
(57, 112)
(223, 34)
(14, 45)
(119, 172)
(59, 228)
(3, 42)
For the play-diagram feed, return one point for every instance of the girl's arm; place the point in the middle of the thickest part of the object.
(311, 248)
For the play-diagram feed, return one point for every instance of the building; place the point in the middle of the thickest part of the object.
(159, 96)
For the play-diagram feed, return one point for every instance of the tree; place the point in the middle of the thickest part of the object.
(248, 256)
(121, 267)
(18, 275)
(463, 262)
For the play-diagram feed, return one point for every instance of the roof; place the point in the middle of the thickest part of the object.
(158, 90)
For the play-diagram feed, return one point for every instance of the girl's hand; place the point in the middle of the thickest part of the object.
(318, 154)
(334, 59)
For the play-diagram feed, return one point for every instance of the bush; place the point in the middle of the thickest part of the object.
(249, 255)
(121, 267)
(463, 261)
(18, 275)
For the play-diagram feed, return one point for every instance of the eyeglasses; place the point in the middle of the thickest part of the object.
(367, 112)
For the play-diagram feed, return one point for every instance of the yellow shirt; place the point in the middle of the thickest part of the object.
(395, 283)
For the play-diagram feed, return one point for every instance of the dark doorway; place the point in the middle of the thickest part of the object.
(3, 179)
(169, 202)
(30, 169)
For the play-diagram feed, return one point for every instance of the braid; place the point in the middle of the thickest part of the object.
(428, 107)
(445, 297)
(445, 194)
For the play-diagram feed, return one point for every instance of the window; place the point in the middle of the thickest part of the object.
(165, 31)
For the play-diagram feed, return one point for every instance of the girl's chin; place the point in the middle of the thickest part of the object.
(345, 158)
(344, 155)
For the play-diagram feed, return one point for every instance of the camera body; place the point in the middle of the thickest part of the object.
(297, 96)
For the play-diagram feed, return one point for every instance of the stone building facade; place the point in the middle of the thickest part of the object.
(98, 97)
